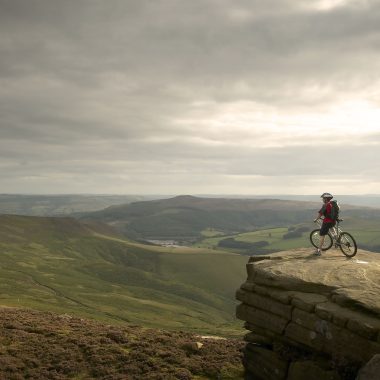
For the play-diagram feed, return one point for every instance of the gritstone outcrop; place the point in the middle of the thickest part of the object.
(310, 317)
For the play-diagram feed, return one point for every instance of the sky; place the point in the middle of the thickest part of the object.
(190, 97)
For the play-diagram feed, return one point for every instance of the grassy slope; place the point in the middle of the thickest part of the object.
(61, 265)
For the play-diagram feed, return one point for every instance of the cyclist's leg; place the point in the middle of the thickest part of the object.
(323, 232)
(321, 241)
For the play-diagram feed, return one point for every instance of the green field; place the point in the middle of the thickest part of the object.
(274, 237)
(58, 264)
(366, 233)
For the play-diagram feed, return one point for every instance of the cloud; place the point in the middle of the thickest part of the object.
(109, 96)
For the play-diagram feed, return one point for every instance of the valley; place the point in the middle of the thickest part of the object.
(171, 263)
(62, 265)
(268, 225)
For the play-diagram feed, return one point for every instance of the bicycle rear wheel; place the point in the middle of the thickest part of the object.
(347, 244)
(315, 238)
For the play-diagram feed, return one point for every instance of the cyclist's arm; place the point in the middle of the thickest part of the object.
(320, 213)
(318, 217)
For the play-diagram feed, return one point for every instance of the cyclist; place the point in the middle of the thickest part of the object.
(327, 223)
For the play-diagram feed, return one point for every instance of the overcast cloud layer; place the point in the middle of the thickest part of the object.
(177, 96)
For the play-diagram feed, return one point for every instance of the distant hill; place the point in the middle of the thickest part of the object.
(185, 217)
(63, 265)
(367, 200)
(53, 205)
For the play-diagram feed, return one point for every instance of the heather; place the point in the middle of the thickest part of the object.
(44, 345)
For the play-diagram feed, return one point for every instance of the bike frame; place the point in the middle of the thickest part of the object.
(334, 231)
(337, 237)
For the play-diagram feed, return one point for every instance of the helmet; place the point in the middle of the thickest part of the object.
(327, 195)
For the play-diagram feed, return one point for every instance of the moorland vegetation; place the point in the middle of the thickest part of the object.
(48, 346)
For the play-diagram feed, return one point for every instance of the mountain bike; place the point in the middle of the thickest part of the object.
(336, 236)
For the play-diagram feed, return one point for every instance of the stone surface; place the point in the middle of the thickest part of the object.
(318, 309)
(261, 318)
(364, 326)
(371, 371)
(259, 330)
(324, 336)
(248, 286)
(354, 282)
(307, 301)
(332, 312)
(278, 295)
(193, 346)
(265, 364)
(305, 319)
(264, 303)
(303, 336)
(258, 339)
(301, 370)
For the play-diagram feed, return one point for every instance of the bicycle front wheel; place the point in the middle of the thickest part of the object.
(347, 244)
(315, 238)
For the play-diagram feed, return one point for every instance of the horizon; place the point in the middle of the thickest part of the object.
(188, 194)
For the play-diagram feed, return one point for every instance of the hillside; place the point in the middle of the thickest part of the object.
(187, 217)
(63, 265)
(48, 346)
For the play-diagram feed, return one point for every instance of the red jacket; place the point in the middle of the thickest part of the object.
(326, 211)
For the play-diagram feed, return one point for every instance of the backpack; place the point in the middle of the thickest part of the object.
(334, 215)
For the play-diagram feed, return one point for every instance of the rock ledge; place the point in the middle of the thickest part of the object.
(310, 317)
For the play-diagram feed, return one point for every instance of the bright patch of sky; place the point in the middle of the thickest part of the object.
(328, 5)
(242, 123)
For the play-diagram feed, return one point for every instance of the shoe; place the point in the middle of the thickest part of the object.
(317, 252)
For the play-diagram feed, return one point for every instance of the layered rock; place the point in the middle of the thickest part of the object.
(310, 317)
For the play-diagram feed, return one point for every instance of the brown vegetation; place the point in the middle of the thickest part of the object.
(36, 345)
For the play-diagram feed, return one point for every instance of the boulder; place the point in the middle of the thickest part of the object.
(323, 309)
